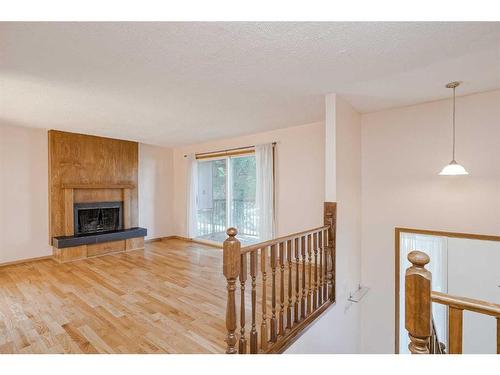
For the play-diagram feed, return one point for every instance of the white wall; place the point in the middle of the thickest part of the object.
(348, 176)
(330, 148)
(403, 151)
(338, 331)
(299, 175)
(156, 190)
(24, 207)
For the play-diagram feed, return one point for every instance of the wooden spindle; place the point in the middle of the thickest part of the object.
(253, 275)
(296, 315)
(309, 289)
(455, 329)
(418, 314)
(263, 325)
(320, 288)
(231, 270)
(304, 291)
(281, 330)
(289, 255)
(242, 347)
(315, 290)
(274, 322)
(330, 268)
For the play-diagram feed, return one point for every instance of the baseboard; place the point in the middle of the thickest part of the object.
(153, 240)
(159, 239)
(178, 238)
(181, 238)
(206, 243)
(21, 261)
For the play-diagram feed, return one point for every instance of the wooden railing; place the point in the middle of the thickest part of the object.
(292, 283)
(418, 315)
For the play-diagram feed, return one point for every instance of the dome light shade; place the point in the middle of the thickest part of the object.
(453, 169)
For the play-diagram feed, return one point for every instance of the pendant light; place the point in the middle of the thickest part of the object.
(453, 169)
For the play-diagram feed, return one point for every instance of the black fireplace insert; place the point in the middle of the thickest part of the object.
(97, 217)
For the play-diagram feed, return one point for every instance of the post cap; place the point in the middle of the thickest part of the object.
(232, 232)
(418, 258)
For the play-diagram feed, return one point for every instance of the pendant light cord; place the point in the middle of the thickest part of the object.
(454, 123)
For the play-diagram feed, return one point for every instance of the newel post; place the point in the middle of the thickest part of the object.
(418, 315)
(231, 269)
(330, 218)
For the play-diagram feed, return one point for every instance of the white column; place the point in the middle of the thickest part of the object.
(330, 148)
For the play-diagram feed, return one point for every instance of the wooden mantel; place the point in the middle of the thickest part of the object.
(129, 185)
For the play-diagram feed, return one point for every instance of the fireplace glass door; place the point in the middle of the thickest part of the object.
(90, 218)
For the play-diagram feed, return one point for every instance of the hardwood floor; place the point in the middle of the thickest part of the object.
(168, 298)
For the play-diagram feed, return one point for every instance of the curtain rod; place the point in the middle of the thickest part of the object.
(226, 150)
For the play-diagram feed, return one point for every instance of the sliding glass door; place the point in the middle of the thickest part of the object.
(243, 215)
(226, 197)
(211, 198)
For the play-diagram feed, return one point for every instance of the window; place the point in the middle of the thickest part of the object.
(226, 197)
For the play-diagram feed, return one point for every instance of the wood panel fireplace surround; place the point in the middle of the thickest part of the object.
(92, 196)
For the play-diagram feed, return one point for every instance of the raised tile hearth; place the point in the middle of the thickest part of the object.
(62, 242)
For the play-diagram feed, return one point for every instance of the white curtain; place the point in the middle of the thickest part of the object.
(437, 249)
(192, 196)
(265, 191)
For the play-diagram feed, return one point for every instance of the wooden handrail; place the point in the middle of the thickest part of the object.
(464, 303)
(418, 315)
(257, 246)
(271, 264)
(456, 306)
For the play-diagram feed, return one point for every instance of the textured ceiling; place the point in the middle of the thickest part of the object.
(177, 83)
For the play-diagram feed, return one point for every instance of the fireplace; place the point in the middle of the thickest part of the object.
(97, 217)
